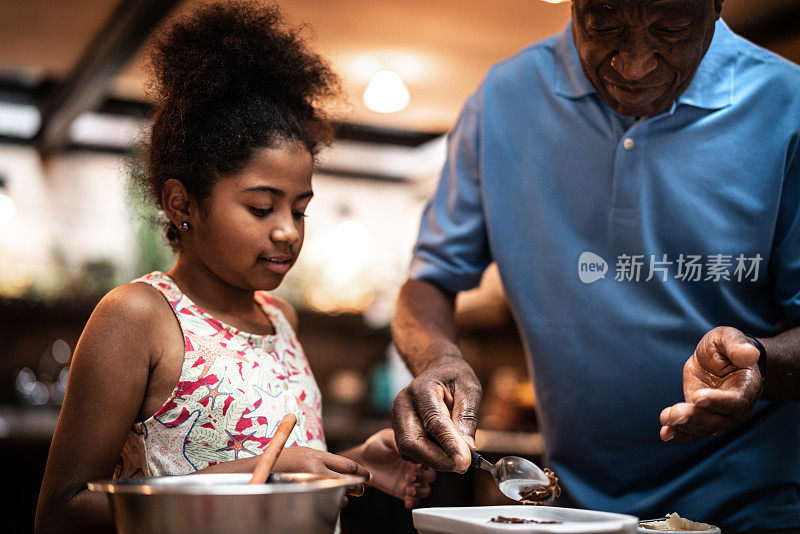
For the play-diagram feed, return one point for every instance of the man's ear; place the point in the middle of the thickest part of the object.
(718, 7)
(176, 202)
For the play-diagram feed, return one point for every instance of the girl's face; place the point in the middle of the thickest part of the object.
(252, 228)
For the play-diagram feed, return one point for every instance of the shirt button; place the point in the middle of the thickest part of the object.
(628, 143)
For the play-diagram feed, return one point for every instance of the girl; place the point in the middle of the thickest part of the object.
(191, 370)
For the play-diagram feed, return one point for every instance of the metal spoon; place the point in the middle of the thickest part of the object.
(512, 474)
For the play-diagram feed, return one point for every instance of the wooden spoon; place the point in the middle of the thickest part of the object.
(273, 449)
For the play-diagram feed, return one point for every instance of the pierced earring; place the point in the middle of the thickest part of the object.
(184, 227)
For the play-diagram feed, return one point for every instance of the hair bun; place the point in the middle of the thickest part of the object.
(238, 50)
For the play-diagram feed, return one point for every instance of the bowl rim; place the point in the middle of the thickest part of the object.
(712, 529)
(211, 484)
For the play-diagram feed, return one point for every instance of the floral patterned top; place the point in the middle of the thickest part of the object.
(233, 391)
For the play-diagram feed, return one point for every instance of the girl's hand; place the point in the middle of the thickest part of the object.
(405, 480)
(307, 460)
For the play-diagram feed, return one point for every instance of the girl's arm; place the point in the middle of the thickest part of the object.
(107, 384)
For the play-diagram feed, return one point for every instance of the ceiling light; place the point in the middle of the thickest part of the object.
(19, 120)
(105, 130)
(386, 92)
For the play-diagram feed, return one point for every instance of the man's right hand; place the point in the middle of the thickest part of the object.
(435, 417)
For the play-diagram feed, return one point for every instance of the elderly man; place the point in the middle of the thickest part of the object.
(637, 181)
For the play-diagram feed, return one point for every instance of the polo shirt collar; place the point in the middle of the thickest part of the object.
(711, 88)
(571, 82)
(712, 85)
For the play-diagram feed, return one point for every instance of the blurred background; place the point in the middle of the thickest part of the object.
(74, 103)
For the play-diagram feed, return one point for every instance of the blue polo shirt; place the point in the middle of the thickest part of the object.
(620, 243)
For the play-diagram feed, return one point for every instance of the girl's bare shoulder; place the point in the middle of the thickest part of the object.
(135, 300)
(122, 340)
(136, 309)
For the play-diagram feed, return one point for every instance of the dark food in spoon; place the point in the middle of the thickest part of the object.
(540, 494)
(517, 520)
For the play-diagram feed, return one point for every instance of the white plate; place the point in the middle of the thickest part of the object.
(476, 520)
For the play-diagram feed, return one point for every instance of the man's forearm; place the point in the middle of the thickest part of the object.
(782, 369)
(424, 325)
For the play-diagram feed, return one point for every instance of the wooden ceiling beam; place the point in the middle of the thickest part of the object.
(87, 84)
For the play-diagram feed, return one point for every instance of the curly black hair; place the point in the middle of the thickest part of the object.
(230, 79)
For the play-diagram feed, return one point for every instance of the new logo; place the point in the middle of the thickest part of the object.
(591, 267)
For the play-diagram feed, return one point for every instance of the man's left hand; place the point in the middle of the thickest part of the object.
(721, 383)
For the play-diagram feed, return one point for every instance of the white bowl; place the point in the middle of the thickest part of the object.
(476, 520)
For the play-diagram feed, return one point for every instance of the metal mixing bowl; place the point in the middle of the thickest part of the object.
(223, 503)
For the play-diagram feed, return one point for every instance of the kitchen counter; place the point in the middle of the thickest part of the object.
(27, 423)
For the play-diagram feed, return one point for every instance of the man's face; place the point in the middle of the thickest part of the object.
(640, 55)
